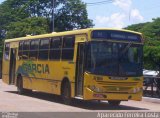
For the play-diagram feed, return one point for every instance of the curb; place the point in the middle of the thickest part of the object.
(154, 100)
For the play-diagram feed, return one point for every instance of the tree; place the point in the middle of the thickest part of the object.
(33, 26)
(151, 32)
(73, 15)
(152, 55)
(137, 27)
(21, 17)
(69, 15)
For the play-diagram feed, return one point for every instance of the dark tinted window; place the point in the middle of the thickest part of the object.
(20, 51)
(25, 54)
(26, 45)
(7, 46)
(6, 53)
(55, 48)
(21, 45)
(68, 48)
(34, 49)
(44, 49)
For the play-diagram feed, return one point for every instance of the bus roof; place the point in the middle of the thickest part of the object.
(54, 34)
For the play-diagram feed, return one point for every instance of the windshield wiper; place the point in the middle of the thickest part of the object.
(126, 48)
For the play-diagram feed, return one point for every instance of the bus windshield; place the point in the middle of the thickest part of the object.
(114, 59)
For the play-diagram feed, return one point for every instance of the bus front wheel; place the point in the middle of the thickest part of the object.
(66, 94)
(114, 102)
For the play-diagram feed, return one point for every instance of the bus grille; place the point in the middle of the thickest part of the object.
(117, 86)
(123, 84)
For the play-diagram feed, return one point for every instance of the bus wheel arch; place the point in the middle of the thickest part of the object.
(66, 91)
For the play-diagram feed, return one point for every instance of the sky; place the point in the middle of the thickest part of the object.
(121, 13)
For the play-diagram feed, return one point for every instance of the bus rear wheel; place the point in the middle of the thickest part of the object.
(114, 102)
(66, 94)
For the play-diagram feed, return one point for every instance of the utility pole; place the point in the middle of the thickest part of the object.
(53, 15)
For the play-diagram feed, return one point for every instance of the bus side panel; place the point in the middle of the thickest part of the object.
(44, 76)
(5, 71)
(9, 62)
(67, 70)
(5, 65)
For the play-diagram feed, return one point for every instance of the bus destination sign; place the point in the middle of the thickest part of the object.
(116, 35)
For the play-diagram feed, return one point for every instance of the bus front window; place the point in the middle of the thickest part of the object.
(114, 59)
(130, 59)
(103, 58)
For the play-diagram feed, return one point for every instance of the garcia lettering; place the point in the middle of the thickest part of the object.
(36, 68)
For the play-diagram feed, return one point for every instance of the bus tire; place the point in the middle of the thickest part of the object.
(20, 88)
(66, 93)
(114, 102)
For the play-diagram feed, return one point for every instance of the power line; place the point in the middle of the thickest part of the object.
(99, 3)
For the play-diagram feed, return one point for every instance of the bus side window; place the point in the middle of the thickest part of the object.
(68, 47)
(20, 50)
(25, 54)
(6, 54)
(43, 49)
(34, 45)
(55, 48)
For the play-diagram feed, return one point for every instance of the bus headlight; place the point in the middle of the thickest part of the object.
(136, 90)
(92, 87)
(95, 89)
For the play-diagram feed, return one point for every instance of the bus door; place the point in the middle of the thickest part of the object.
(80, 69)
(12, 65)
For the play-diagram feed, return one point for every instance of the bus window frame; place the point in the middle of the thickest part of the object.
(55, 49)
(36, 50)
(73, 48)
(6, 57)
(20, 50)
(26, 50)
(48, 50)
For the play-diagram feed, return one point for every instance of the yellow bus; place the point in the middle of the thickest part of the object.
(88, 64)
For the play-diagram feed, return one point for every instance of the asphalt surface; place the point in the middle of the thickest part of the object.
(46, 105)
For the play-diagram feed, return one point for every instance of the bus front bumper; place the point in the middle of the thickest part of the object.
(91, 95)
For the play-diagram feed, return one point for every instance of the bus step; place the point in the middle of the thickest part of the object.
(79, 97)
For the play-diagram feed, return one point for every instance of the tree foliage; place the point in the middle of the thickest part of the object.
(69, 15)
(21, 17)
(34, 25)
(152, 55)
(151, 32)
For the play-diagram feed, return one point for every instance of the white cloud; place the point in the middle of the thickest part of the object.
(136, 16)
(120, 19)
(123, 4)
(116, 20)
(102, 19)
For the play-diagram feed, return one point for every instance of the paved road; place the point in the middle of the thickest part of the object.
(10, 101)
